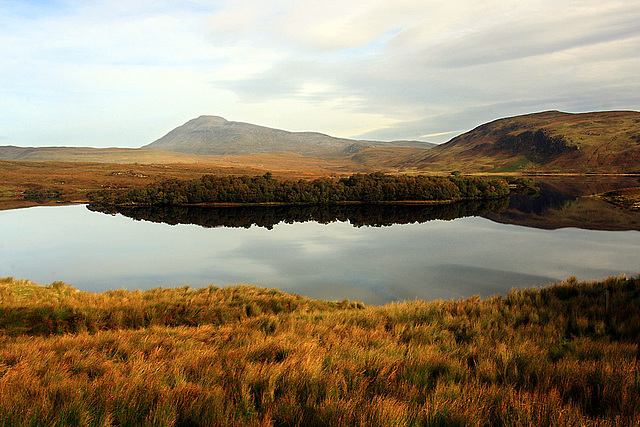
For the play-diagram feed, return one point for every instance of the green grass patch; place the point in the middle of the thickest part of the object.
(7, 193)
(514, 166)
(19, 288)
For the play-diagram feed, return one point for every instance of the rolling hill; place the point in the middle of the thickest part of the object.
(213, 135)
(550, 141)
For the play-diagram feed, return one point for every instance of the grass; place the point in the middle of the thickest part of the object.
(513, 166)
(564, 355)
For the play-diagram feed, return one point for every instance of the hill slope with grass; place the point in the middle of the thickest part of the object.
(550, 141)
(565, 355)
(213, 135)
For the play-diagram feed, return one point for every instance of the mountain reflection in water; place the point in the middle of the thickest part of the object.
(563, 203)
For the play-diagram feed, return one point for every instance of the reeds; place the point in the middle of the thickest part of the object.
(245, 356)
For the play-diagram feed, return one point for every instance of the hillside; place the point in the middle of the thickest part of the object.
(550, 141)
(213, 135)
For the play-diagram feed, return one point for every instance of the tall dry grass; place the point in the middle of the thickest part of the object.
(563, 355)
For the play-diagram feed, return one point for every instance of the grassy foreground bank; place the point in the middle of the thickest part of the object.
(566, 354)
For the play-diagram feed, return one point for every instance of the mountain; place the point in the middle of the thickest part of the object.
(550, 141)
(213, 135)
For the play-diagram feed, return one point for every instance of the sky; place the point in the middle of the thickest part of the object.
(124, 73)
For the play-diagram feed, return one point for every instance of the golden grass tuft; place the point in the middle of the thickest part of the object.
(246, 356)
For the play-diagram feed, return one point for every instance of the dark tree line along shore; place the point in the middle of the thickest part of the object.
(366, 188)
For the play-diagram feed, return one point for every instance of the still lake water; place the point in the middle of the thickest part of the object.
(332, 260)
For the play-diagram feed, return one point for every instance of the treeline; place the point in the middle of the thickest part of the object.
(368, 188)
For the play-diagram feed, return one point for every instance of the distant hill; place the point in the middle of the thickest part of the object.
(94, 155)
(213, 135)
(550, 141)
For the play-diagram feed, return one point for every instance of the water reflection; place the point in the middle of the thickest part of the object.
(371, 253)
(558, 204)
(563, 203)
(429, 260)
(378, 215)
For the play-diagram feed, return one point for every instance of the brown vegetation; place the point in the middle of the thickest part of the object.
(74, 180)
(551, 141)
(563, 355)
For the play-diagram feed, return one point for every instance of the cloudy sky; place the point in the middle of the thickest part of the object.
(124, 73)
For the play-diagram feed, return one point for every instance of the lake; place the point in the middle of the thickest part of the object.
(374, 254)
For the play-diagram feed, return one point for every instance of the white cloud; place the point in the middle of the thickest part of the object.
(124, 73)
